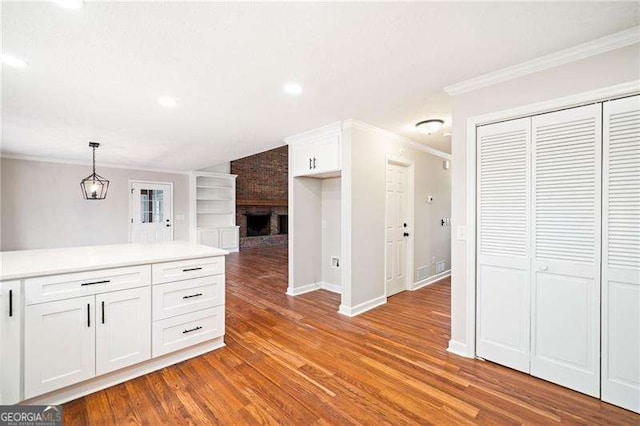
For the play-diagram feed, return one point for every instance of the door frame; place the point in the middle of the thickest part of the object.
(410, 165)
(467, 347)
(131, 208)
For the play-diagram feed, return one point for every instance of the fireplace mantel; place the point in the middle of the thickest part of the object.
(263, 203)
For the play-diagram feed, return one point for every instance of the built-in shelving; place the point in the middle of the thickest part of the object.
(213, 207)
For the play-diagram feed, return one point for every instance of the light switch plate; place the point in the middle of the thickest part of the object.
(461, 232)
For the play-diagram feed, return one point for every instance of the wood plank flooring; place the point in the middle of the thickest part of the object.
(296, 361)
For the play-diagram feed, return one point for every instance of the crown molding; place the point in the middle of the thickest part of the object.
(329, 129)
(87, 163)
(351, 123)
(591, 48)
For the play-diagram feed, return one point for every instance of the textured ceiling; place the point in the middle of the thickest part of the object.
(95, 73)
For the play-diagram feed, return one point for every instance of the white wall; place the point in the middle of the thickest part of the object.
(304, 231)
(368, 170)
(42, 206)
(218, 168)
(607, 69)
(331, 229)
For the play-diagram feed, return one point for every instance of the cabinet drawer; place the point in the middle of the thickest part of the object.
(183, 297)
(67, 286)
(185, 269)
(185, 330)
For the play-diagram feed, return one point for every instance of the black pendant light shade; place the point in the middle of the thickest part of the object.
(94, 186)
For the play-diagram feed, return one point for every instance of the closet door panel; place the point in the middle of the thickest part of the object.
(621, 254)
(566, 205)
(503, 304)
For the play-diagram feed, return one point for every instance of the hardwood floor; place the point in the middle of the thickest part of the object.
(296, 361)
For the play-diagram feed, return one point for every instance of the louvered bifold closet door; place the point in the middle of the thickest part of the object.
(621, 254)
(566, 205)
(503, 304)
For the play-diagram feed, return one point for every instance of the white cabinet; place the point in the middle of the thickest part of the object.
(123, 329)
(10, 349)
(223, 238)
(317, 156)
(59, 344)
(185, 330)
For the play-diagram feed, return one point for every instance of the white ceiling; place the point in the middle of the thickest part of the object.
(95, 73)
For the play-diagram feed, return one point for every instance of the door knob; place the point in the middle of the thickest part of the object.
(406, 234)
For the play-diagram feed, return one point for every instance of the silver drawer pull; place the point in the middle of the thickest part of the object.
(192, 329)
(192, 295)
(191, 269)
(96, 282)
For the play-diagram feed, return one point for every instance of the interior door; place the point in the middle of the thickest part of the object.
(503, 265)
(59, 344)
(397, 230)
(566, 248)
(621, 254)
(151, 212)
(123, 327)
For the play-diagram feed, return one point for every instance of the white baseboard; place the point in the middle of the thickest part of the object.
(302, 290)
(430, 280)
(459, 349)
(76, 391)
(334, 288)
(362, 307)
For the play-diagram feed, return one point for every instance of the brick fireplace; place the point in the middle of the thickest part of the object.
(261, 198)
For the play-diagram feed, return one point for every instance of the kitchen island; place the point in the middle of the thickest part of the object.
(77, 320)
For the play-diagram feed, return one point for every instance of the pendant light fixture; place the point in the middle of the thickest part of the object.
(94, 186)
(430, 126)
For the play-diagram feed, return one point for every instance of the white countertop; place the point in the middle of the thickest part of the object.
(33, 263)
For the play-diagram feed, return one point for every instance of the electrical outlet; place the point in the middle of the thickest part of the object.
(440, 267)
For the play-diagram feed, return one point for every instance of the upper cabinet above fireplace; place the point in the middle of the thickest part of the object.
(317, 154)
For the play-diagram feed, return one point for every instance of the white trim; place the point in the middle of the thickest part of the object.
(362, 307)
(131, 208)
(351, 123)
(329, 129)
(459, 349)
(598, 95)
(334, 288)
(595, 47)
(120, 376)
(88, 163)
(345, 217)
(308, 288)
(410, 166)
(430, 280)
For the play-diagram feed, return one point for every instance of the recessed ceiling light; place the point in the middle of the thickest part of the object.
(13, 61)
(429, 126)
(69, 4)
(167, 101)
(292, 89)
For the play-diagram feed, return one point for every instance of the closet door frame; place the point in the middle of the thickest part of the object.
(466, 345)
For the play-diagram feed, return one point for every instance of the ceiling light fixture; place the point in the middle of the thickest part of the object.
(293, 89)
(69, 4)
(13, 61)
(167, 101)
(429, 126)
(94, 186)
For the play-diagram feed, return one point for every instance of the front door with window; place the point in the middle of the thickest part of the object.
(151, 207)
